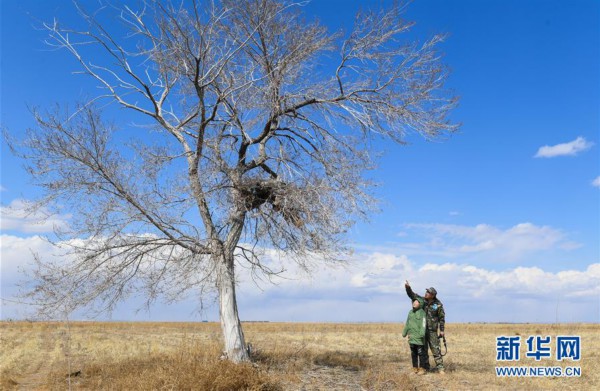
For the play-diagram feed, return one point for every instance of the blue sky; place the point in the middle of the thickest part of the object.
(506, 212)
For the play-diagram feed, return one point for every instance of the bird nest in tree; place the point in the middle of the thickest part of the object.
(257, 192)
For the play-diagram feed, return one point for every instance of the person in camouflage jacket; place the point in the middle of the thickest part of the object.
(436, 320)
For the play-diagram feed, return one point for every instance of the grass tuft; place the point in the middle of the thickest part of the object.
(186, 370)
(7, 383)
(387, 377)
(351, 361)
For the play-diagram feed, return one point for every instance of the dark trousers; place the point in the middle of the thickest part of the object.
(420, 358)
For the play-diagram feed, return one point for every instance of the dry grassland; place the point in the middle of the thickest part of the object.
(288, 356)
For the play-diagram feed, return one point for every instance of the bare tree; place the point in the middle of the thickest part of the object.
(256, 137)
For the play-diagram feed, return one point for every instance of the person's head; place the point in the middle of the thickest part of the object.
(416, 304)
(430, 293)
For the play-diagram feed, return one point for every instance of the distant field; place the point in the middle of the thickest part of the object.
(288, 356)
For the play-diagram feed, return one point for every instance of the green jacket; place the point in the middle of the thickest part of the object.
(415, 326)
(436, 316)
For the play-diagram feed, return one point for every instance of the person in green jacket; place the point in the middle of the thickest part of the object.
(415, 328)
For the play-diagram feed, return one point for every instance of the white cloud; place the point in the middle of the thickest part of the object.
(532, 281)
(572, 148)
(2, 188)
(596, 182)
(18, 253)
(371, 288)
(514, 243)
(18, 216)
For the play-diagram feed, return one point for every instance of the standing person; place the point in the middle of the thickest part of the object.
(416, 327)
(436, 318)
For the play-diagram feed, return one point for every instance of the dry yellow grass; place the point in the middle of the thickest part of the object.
(288, 356)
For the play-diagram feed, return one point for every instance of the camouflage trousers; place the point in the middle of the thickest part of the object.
(434, 344)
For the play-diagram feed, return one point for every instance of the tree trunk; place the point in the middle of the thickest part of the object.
(233, 336)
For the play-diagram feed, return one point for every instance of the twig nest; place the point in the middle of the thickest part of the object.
(278, 194)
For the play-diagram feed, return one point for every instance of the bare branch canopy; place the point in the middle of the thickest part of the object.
(256, 123)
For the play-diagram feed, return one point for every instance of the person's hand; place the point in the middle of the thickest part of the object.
(406, 284)
(441, 333)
